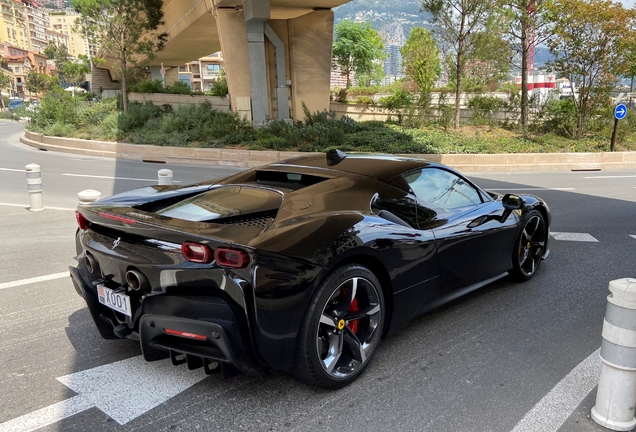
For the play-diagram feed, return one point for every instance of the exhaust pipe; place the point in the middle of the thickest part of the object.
(91, 263)
(137, 281)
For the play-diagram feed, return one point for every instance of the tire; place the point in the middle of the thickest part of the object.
(529, 247)
(342, 328)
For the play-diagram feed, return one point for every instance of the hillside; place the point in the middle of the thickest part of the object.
(393, 19)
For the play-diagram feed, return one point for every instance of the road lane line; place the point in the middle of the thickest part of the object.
(549, 414)
(110, 178)
(34, 280)
(531, 189)
(27, 206)
(13, 170)
(47, 415)
(611, 177)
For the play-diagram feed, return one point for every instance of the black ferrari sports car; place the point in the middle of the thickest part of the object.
(301, 265)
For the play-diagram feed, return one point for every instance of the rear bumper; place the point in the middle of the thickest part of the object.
(212, 320)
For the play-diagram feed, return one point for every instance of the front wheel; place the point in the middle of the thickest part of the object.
(529, 247)
(342, 328)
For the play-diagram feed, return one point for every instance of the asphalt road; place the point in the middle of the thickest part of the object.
(481, 363)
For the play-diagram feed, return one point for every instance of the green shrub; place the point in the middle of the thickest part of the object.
(147, 86)
(57, 106)
(219, 87)
(560, 117)
(363, 91)
(178, 87)
(484, 109)
(364, 100)
(137, 116)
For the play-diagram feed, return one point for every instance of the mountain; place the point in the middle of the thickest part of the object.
(393, 19)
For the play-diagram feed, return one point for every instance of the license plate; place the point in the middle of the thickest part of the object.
(114, 300)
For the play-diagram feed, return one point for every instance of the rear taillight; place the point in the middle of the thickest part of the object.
(117, 218)
(82, 221)
(196, 252)
(231, 258)
(185, 334)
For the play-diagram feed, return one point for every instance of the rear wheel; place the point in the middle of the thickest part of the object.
(529, 247)
(342, 328)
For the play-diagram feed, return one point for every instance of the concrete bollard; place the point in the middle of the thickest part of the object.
(165, 177)
(88, 196)
(34, 185)
(616, 395)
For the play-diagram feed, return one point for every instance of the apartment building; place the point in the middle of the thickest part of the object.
(14, 24)
(66, 23)
(201, 74)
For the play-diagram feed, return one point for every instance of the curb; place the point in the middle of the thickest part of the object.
(252, 158)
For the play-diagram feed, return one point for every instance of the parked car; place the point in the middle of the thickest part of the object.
(15, 103)
(301, 265)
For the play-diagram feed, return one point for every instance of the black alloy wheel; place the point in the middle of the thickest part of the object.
(530, 246)
(342, 329)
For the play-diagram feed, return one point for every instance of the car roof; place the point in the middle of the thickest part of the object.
(381, 167)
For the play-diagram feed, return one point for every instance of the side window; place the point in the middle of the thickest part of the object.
(442, 188)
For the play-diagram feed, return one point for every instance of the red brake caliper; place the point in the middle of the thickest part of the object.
(353, 307)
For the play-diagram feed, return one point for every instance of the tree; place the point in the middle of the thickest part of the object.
(456, 21)
(74, 71)
(35, 82)
(420, 58)
(5, 81)
(527, 27)
(355, 48)
(51, 50)
(488, 60)
(125, 30)
(588, 51)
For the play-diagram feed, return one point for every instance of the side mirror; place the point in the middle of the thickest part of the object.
(511, 202)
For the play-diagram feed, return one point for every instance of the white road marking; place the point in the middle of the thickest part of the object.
(549, 414)
(47, 415)
(632, 236)
(34, 280)
(14, 170)
(580, 237)
(45, 207)
(111, 178)
(611, 177)
(531, 189)
(123, 390)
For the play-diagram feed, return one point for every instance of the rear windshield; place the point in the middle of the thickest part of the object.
(224, 202)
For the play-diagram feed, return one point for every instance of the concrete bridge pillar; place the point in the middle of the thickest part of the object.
(254, 62)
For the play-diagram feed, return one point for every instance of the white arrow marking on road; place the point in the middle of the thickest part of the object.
(549, 414)
(632, 236)
(580, 237)
(123, 390)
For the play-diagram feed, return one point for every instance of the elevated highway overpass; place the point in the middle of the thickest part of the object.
(277, 53)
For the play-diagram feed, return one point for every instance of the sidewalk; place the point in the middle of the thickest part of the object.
(251, 158)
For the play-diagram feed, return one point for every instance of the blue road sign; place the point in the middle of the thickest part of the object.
(620, 111)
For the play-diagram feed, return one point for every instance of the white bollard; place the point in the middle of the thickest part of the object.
(88, 196)
(34, 185)
(165, 177)
(616, 395)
